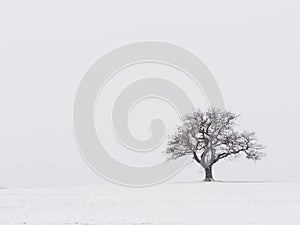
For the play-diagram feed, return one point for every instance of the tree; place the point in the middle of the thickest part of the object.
(209, 136)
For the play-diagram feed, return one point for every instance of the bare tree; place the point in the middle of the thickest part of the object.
(209, 136)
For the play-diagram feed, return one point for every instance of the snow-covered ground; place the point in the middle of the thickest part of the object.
(180, 203)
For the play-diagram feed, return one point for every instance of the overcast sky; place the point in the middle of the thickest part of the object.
(251, 47)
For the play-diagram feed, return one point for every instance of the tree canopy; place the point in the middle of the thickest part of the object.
(210, 136)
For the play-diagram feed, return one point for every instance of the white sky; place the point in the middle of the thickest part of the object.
(251, 47)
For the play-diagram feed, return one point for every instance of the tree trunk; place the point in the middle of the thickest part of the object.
(208, 174)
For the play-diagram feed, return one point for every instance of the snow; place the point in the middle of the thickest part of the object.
(178, 203)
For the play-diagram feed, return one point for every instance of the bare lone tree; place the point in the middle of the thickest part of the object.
(209, 136)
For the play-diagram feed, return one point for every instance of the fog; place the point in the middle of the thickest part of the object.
(252, 48)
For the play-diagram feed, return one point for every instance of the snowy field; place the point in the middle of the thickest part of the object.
(180, 203)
